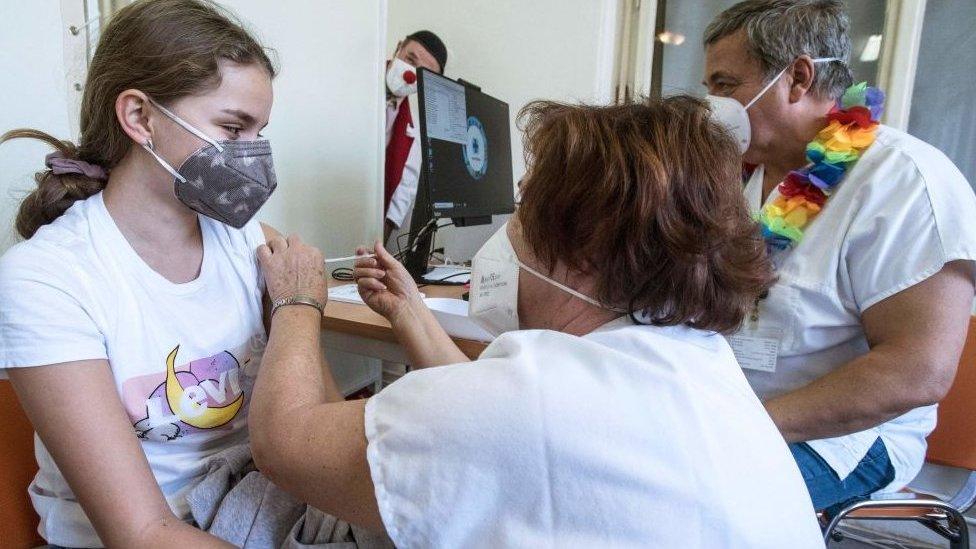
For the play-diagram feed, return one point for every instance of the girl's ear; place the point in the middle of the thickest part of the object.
(135, 117)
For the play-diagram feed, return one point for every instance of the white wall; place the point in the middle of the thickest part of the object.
(326, 127)
(516, 51)
(33, 94)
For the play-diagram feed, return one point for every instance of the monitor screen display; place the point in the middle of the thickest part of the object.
(466, 149)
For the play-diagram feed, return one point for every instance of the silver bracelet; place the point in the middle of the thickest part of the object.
(296, 300)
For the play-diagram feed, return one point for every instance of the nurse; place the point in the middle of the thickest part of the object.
(873, 237)
(609, 412)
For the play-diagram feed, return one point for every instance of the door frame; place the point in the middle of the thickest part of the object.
(899, 59)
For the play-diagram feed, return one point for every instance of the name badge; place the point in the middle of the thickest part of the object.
(756, 350)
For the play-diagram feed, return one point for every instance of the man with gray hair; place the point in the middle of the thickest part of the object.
(873, 238)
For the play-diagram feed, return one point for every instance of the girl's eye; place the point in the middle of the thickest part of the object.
(235, 131)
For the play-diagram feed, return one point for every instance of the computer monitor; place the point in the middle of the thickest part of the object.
(466, 149)
(466, 161)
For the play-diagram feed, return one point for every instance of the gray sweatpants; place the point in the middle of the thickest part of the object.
(237, 503)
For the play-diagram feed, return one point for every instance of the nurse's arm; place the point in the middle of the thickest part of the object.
(915, 338)
(77, 413)
(426, 342)
(304, 436)
(389, 290)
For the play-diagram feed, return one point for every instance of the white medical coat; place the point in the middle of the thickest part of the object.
(631, 436)
(901, 214)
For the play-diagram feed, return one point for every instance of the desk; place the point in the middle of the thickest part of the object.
(355, 328)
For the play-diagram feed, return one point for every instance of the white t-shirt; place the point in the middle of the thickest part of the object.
(77, 290)
(631, 436)
(401, 205)
(901, 214)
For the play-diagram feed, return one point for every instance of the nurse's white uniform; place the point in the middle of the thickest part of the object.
(631, 436)
(902, 213)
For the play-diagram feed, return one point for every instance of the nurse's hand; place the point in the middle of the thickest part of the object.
(292, 268)
(385, 285)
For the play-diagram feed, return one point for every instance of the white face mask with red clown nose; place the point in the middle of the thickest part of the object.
(401, 78)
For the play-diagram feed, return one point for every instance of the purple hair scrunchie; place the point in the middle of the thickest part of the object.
(61, 165)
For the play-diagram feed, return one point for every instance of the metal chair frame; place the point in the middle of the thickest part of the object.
(942, 517)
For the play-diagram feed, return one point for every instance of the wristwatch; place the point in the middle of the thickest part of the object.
(296, 300)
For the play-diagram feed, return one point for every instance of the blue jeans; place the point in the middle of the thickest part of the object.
(832, 494)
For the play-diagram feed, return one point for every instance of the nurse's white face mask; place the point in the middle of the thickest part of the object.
(493, 301)
(735, 117)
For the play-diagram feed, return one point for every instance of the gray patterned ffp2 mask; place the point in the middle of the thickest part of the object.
(225, 180)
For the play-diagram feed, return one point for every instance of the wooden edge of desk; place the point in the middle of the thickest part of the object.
(360, 320)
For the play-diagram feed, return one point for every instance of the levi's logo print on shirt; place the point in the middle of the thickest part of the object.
(198, 396)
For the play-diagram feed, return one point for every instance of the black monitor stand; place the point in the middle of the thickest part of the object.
(423, 222)
(423, 226)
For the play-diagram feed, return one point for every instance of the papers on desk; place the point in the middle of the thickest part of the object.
(452, 315)
(348, 293)
(454, 275)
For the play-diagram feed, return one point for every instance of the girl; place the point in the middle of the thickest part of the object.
(131, 317)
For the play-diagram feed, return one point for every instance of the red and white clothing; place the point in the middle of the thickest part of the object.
(402, 161)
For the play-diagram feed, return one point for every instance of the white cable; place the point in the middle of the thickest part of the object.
(420, 234)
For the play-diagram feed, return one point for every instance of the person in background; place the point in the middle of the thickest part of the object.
(402, 166)
(608, 412)
(872, 235)
(131, 318)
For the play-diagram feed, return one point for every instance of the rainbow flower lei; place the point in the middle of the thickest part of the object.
(851, 128)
